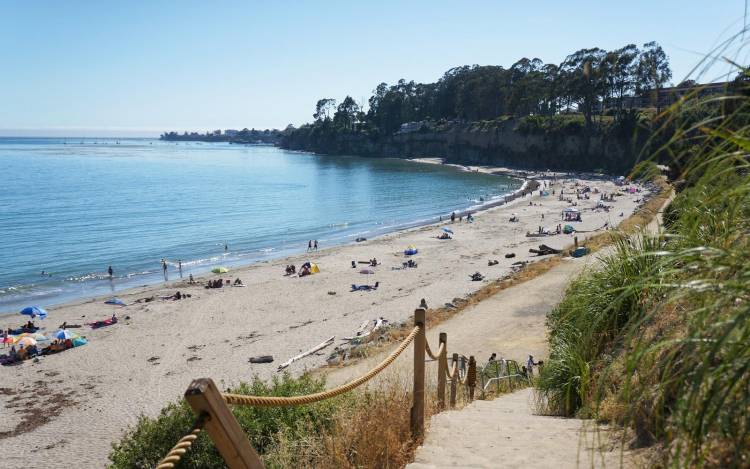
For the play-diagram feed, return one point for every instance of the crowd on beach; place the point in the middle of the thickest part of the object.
(25, 341)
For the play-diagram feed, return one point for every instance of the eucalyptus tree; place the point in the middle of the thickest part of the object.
(323, 108)
(346, 113)
(623, 73)
(652, 71)
(583, 80)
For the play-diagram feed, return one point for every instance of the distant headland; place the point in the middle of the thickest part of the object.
(244, 136)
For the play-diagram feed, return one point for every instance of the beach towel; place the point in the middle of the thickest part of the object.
(104, 323)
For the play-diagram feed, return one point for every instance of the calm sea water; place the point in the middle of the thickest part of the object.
(73, 207)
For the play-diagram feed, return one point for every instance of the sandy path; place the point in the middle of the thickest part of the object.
(504, 433)
(71, 406)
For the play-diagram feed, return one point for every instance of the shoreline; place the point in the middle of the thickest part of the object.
(162, 345)
(205, 272)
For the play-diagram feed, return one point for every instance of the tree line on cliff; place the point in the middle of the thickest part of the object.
(589, 81)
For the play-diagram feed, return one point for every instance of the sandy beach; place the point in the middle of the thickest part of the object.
(71, 406)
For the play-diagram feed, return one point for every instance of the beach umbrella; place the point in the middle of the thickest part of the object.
(448, 230)
(34, 311)
(34, 335)
(26, 342)
(64, 334)
(220, 270)
(115, 301)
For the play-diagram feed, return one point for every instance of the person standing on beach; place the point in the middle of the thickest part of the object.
(453, 217)
(179, 266)
(309, 245)
(164, 268)
(110, 272)
(315, 246)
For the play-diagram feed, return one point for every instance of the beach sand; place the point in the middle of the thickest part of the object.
(71, 406)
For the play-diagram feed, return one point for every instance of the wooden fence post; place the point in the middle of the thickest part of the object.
(442, 370)
(417, 409)
(471, 378)
(510, 380)
(233, 445)
(575, 241)
(497, 377)
(454, 382)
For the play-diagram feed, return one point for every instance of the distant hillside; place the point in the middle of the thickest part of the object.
(244, 136)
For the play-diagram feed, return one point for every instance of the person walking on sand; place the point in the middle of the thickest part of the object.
(110, 272)
(315, 246)
(164, 268)
(309, 245)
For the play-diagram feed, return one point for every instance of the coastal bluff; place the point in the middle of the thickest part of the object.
(528, 143)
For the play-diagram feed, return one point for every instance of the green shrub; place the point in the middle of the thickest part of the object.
(557, 125)
(151, 438)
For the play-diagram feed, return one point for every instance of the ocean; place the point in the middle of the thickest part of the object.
(69, 208)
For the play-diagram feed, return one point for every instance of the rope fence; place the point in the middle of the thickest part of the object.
(216, 418)
(272, 401)
(183, 445)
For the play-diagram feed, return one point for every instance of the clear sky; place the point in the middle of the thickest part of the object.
(141, 67)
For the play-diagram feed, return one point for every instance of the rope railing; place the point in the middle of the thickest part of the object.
(215, 416)
(435, 356)
(453, 373)
(273, 401)
(183, 445)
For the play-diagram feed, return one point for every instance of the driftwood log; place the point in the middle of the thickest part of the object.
(302, 355)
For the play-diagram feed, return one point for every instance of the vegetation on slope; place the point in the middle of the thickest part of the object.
(368, 427)
(657, 338)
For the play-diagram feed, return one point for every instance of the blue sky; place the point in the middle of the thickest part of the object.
(140, 67)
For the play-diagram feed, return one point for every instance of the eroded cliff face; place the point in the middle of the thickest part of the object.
(500, 145)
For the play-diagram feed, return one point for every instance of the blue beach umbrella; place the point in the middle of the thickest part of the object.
(34, 311)
(64, 334)
(115, 301)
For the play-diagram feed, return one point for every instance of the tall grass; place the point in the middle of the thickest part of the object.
(658, 339)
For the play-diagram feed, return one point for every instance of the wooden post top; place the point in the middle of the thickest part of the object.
(419, 317)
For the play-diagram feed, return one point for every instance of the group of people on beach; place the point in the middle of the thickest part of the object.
(32, 351)
(312, 245)
(469, 217)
